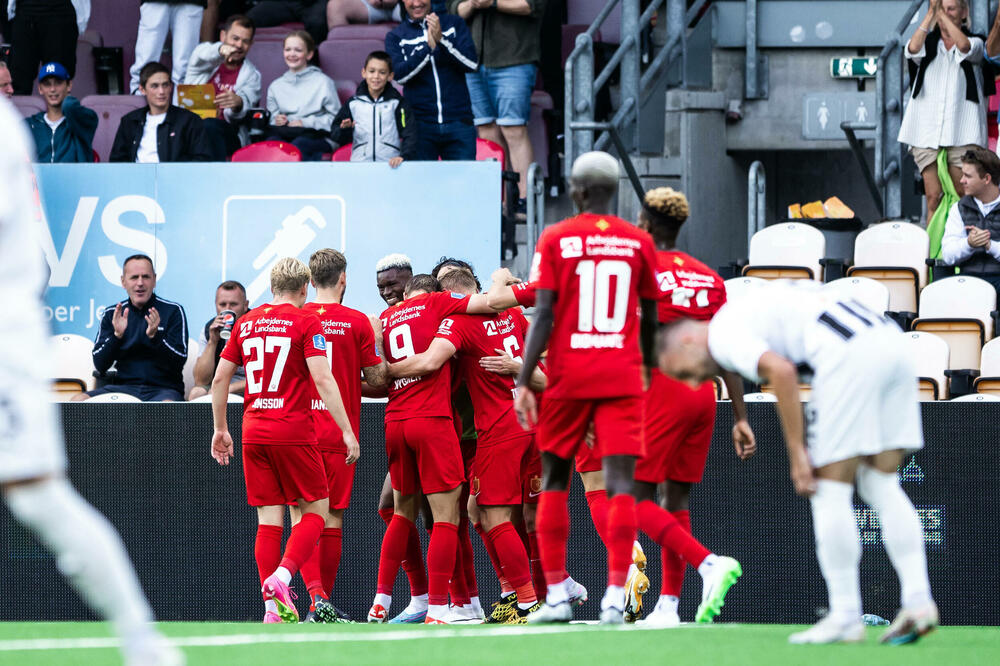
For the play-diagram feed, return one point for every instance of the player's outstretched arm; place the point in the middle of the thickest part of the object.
(326, 386)
(743, 437)
(478, 304)
(437, 354)
(538, 339)
(780, 373)
(501, 294)
(222, 441)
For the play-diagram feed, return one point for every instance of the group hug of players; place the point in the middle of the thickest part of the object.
(600, 286)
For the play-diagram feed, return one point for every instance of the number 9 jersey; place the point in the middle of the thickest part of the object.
(599, 267)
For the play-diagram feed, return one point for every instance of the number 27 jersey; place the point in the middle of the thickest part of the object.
(599, 267)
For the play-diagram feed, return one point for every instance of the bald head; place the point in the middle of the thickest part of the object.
(595, 169)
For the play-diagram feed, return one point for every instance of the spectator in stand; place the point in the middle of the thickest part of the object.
(43, 31)
(159, 132)
(346, 12)
(218, 11)
(224, 64)
(430, 56)
(64, 132)
(182, 19)
(509, 43)
(311, 13)
(232, 296)
(377, 121)
(972, 234)
(303, 101)
(6, 84)
(947, 107)
(145, 336)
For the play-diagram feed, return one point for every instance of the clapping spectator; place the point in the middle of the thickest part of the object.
(182, 19)
(159, 132)
(509, 44)
(44, 31)
(430, 56)
(303, 101)
(6, 83)
(311, 13)
(236, 81)
(64, 132)
(345, 12)
(972, 233)
(377, 121)
(947, 106)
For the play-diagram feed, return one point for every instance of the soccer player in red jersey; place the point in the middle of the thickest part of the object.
(505, 459)
(678, 428)
(421, 444)
(592, 273)
(284, 352)
(350, 351)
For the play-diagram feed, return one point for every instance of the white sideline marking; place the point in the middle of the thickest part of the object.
(311, 637)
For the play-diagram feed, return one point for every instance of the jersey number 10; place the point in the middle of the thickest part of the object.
(599, 309)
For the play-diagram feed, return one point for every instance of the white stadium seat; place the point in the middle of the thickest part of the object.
(893, 253)
(208, 398)
(759, 397)
(790, 250)
(930, 359)
(958, 310)
(73, 368)
(977, 397)
(194, 351)
(871, 293)
(988, 381)
(114, 397)
(737, 286)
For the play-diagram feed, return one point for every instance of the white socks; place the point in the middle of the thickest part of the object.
(902, 533)
(558, 593)
(838, 547)
(88, 552)
(383, 600)
(667, 603)
(418, 604)
(706, 565)
(614, 598)
(284, 575)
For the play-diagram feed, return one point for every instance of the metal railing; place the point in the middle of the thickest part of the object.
(535, 210)
(756, 199)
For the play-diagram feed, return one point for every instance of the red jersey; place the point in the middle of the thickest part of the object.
(599, 267)
(476, 336)
(524, 294)
(688, 288)
(407, 329)
(350, 346)
(224, 79)
(272, 343)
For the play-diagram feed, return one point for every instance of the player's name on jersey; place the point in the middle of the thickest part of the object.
(268, 403)
(318, 405)
(404, 381)
(596, 341)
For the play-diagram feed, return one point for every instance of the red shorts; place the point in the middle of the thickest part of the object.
(679, 422)
(499, 470)
(424, 455)
(339, 477)
(562, 426)
(283, 473)
(468, 447)
(588, 459)
(531, 473)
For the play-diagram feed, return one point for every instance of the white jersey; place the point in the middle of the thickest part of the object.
(30, 444)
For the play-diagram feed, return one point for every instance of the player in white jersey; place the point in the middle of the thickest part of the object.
(32, 459)
(863, 416)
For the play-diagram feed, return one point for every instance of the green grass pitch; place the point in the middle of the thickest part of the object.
(243, 644)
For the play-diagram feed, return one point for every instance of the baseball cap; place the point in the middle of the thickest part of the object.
(53, 69)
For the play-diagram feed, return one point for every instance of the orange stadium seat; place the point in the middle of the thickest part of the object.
(930, 360)
(789, 250)
(268, 151)
(893, 253)
(958, 310)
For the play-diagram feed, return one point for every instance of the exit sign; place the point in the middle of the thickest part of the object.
(853, 68)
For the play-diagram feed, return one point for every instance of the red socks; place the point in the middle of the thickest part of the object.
(468, 557)
(267, 550)
(597, 500)
(505, 587)
(440, 562)
(665, 530)
(394, 545)
(537, 576)
(673, 565)
(552, 526)
(514, 560)
(456, 586)
(302, 542)
(330, 547)
(620, 536)
(413, 562)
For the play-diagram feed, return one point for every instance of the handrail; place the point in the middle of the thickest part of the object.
(623, 155)
(535, 206)
(756, 199)
(850, 127)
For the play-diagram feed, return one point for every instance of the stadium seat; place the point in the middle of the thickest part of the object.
(342, 154)
(789, 250)
(269, 58)
(988, 380)
(360, 31)
(871, 293)
(208, 398)
(194, 351)
(737, 286)
(583, 12)
(73, 365)
(805, 390)
(116, 22)
(569, 34)
(977, 397)
(345, 90)
(85, 79)
(893, 253)
(759, 397)
(114, 397)
(110, 109)
(28, 105)
(268, 151)
(490, 150)
(274, 33)
(930, 360)
(344, 59)
(958, 309)
(721, 392)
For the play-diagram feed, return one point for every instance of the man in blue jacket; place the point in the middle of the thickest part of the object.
(430, 57)
(65, 131)
(145, 335)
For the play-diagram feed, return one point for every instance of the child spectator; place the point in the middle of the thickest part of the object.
(303, 101)
(377, 120)
(65, 131)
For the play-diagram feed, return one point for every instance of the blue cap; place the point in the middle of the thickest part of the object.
(53, 69)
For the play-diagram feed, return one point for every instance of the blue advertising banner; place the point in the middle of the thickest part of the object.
(205, 223)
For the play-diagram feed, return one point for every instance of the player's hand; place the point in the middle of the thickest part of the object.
(279, 120)
(743, 440)
(502, 364)
(346, 123)
(295, 123)
(152, 323)
(353, 448)
(504, 276)
(525, 407)
(227, 99)
(119, 320)
(802, 474)
(222, 447)
(591, 437)
(395, 161)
